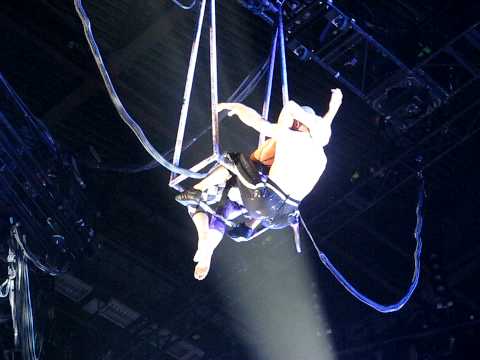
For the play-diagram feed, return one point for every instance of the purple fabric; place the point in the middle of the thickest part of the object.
(230, 210)
(217, 224)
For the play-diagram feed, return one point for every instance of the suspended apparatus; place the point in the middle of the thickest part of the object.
(179, 174)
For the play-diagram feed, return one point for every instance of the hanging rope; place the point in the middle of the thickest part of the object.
(182, 122)
(268, 88)
(416, 274)
(283, 57)
(278, 39)
(183, 6)
(22, 314)
(9, 284)
(214, 80)
(20, 243)
(125, 116)
(246, 87)
(216, 155)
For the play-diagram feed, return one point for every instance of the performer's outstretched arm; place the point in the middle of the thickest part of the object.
(325, 123)
(250, 118)
(319, 127)
(335, 103)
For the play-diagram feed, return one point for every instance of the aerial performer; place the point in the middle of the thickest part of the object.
(268, 186)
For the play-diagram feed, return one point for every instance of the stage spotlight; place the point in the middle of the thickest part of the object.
(282, 314)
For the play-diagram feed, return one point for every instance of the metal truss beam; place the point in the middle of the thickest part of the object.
(369, 70)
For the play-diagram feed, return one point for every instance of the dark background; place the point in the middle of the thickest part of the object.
(147, 241)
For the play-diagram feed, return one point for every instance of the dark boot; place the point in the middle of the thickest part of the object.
(189, 197)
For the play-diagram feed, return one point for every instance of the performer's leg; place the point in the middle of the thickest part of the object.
(203, 256)
(201, 221)
(210, 234)
(209, 239)
(218, 176)
(193, 196)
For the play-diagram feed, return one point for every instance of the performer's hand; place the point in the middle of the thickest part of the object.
(234, 109)
(336, 99)
(246, 114)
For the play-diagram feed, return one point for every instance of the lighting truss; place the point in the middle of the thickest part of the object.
(369, 70)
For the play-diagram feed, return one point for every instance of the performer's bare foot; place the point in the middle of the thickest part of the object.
(208, 240)
(203, 260)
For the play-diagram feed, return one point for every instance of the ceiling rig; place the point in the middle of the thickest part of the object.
(321, 32)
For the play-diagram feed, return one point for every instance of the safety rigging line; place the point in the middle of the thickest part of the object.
(183, 6)
(268, 88)
(416, 274)
(125, 116)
